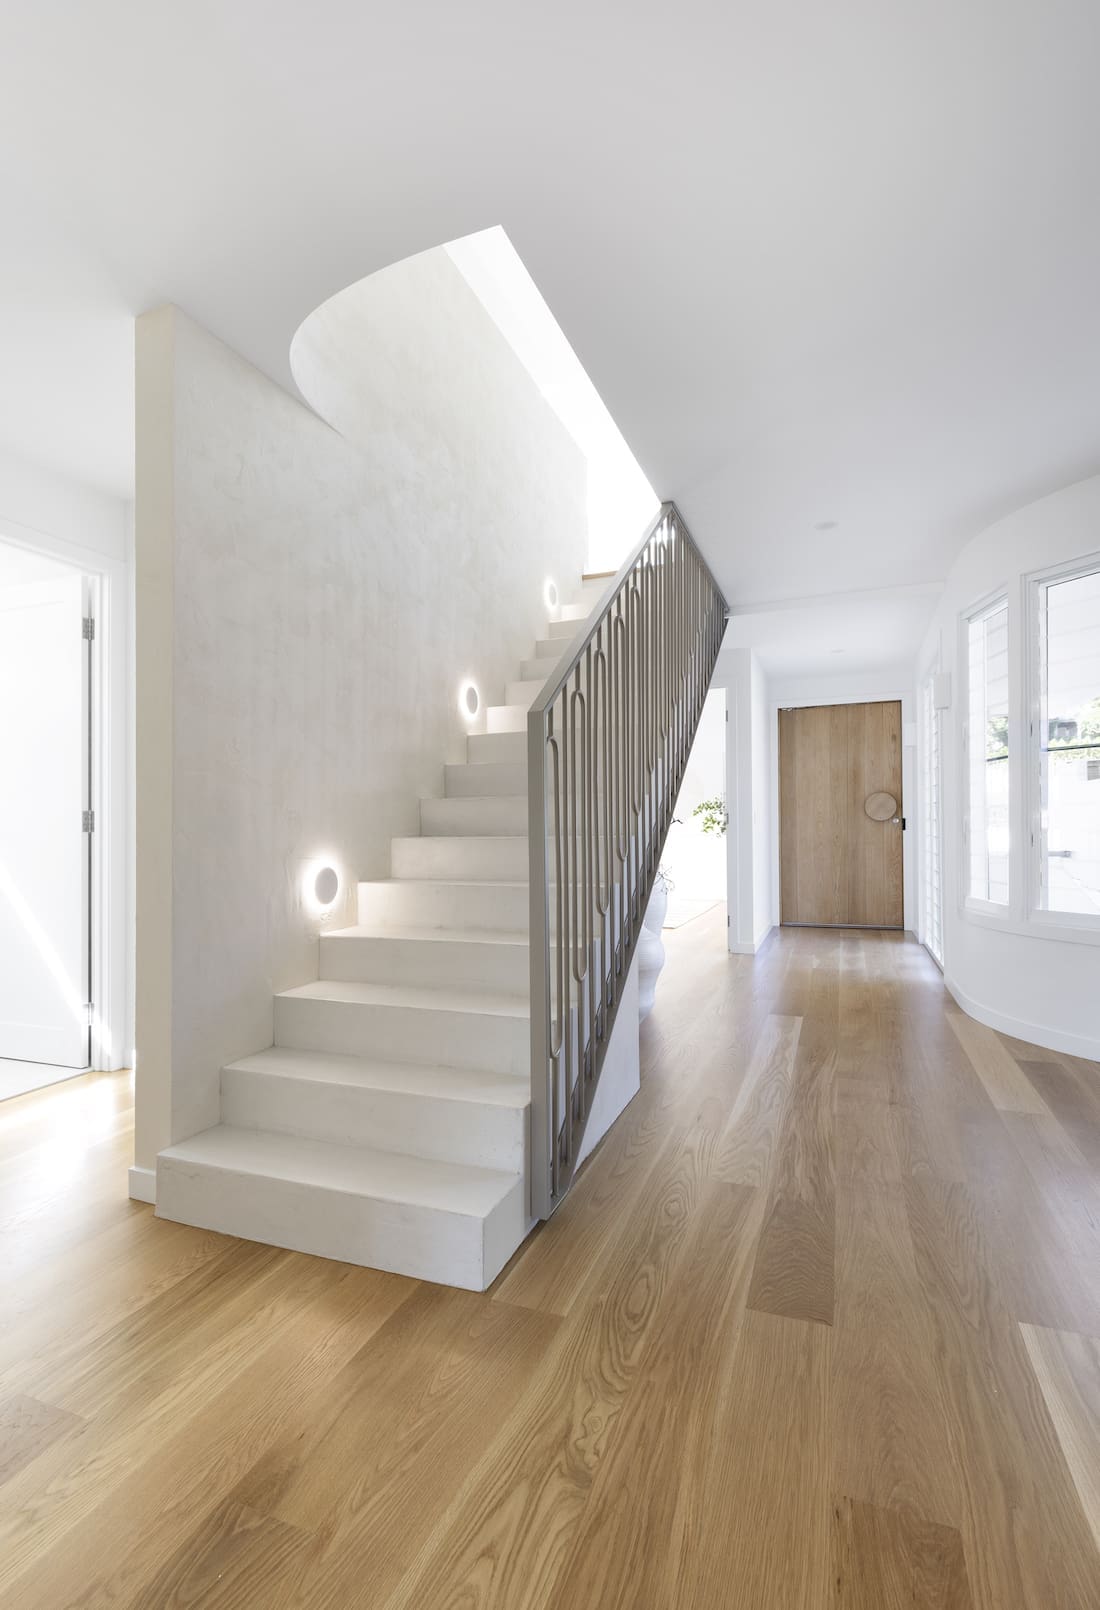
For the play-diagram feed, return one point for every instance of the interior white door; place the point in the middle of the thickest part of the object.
(44, 861)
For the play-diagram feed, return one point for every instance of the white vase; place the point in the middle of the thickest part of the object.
(650, 949)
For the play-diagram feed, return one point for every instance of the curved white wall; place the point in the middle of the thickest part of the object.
(1036, 986)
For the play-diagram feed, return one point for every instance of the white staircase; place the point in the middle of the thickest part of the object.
(389, 1123)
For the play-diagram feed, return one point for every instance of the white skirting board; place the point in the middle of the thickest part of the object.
(1076, 1045)
(746, 947)
(143, 1184)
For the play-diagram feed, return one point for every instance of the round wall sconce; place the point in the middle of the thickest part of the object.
(321, 885)
(550, 594)
(469, 701)
(326, 886)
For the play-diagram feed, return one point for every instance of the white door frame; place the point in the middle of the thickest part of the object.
(111, 860)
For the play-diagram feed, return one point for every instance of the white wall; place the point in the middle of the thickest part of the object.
(45, 514)
(855, 687)
(748, 773)
(1037, 986)
(308, 603)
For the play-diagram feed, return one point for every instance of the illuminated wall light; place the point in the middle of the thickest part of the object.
(469, 701)
(550, 593)
(320, 886)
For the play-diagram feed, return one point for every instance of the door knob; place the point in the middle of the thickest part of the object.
(881, 807)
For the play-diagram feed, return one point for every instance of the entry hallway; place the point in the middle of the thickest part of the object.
(817, 1327)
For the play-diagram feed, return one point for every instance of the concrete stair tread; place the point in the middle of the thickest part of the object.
(444, 883)
(406, 1078)
(397, 1177)
(465, 936)
(482, 1002)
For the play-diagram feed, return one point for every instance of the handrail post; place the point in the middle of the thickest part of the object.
(538, 871)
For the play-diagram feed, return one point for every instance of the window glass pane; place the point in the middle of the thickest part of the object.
(988, 755)
(1069, 744)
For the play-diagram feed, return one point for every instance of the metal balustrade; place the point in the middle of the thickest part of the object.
(607, 742)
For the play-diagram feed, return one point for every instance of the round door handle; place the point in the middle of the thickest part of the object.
(881, 807)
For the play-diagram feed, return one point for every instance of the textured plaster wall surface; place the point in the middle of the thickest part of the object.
(330, 588)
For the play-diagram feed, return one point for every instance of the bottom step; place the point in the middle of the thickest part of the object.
(432, 1221)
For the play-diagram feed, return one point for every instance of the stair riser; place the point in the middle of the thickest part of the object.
(475, 1134)
(478, 782)
(507, 747)
(498, 1043)
(432, 963)
(561, 631)
(424, 1243)
(464, 857)
(548, 650)
(414, 904)
(524, 693)
(534, 670)
(476, 817)
(506, 718)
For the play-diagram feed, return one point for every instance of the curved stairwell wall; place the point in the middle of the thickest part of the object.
(307, 606)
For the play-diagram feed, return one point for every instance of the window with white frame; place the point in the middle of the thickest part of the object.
(1068, 742)
(932, 822)
(988, 754)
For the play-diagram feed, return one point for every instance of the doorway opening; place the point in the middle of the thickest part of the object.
(47, 626)
(841, 816)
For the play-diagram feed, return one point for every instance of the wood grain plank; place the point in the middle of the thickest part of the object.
(27, 1428)
(886, 1560)
(891, 1444)
(771, 1465)
(667, 1425)
(745, 1152)
(505, 1542)
(235, 1559)
(1026, 1539)
(1008, 1087)
(1067, 1368)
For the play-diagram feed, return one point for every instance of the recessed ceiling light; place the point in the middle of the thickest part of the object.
(825, 525)
(836, 651)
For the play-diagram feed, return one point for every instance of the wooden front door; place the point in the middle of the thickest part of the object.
(840, 846)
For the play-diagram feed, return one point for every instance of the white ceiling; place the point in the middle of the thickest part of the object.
(823, 262)
(877, 630)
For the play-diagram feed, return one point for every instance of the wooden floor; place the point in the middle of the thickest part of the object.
(819, 1326)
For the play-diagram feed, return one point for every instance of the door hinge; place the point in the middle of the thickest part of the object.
(87, 821)
(87, 630)
(89, 1013)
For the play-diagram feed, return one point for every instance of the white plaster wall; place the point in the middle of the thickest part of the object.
(1036, 986)
(327, 593)
(748, 777)
(763, 915)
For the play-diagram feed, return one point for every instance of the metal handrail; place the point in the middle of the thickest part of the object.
(607, 741)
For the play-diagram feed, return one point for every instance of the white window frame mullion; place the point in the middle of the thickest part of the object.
(1062, 924)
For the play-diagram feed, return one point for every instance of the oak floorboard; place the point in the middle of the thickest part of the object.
(891, 1447)
(889, 1561)
(27, 1427)
(653, 1483)
(506, 1540)
(747, 1146)
(768, 1474)
(1026, 1539)
(1009, 1088)
(1067, 1368)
